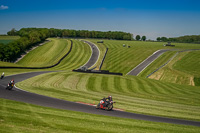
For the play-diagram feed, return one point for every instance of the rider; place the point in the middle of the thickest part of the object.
(2, 75)
(109, 98)
(12, 82)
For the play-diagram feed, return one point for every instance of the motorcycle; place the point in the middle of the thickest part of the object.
(105, 104)
(2, 76)
(10, 86)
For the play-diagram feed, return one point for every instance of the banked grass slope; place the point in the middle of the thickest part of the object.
(47, 54)
(132, 94)
(183, 69)
(78, 56)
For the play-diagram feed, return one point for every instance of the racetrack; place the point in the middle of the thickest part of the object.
(95, 55)
(135, 71)
(27, 97)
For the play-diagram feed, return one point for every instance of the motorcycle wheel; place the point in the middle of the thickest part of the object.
(98, 106)
(110, 106)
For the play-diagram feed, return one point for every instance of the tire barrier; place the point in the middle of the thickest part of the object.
(103, 59)
(10, 67)
(97, 72)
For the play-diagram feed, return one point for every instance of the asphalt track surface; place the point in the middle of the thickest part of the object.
(146, 62)
(32, 98)
(95, 55)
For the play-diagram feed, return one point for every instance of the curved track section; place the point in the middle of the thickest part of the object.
(95, 55)
(138, 69)
(28, 97)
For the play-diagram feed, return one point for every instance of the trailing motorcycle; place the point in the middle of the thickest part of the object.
(105, 104)
(10, 86)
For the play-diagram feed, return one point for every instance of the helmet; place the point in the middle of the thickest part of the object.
(110, 97)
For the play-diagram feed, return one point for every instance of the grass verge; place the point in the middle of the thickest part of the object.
(21, 117)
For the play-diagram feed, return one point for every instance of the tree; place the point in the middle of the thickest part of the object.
(158, 39)
(164, 39)
(144, 38)
(13, 32)
(137, 37)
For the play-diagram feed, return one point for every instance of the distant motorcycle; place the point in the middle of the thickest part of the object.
(105, 104)
(10, 86)
(2, 76)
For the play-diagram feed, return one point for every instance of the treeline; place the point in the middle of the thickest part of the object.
(33, 36)
(118, 35)
(28, 38)
(182, 39)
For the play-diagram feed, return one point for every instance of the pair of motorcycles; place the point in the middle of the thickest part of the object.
(105, 104)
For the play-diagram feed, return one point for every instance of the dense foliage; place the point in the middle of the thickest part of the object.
(182, 39)
(33, 36)
(29, 37)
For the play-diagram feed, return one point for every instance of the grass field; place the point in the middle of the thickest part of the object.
(123, 59)
(157, 63)
(131, 93)
(78, 56)
(183, 69)
(7, 39)
(21, 117)
(47, 54)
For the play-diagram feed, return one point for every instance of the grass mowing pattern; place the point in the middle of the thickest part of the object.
(47, 54)
(183, 69)
(122, 59)
(133, 94)
(189, 63)
(21, 117)
(157, 63)
(79, 55)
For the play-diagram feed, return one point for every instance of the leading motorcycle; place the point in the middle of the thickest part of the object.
(105, 104)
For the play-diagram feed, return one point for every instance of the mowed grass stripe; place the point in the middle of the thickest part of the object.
(181, 70)
(73, 58)
(18, 117)
(145, 97)
(47, 54)
(79, 55)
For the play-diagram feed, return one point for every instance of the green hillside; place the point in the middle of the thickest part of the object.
(47, 54)
(122, 59)
(79, 55)
(131, 93)
(183, 69)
